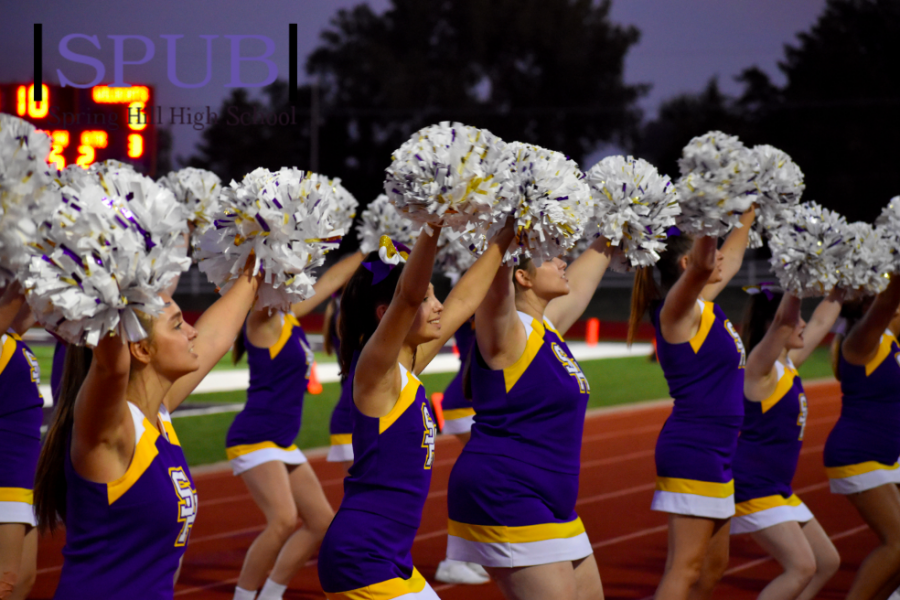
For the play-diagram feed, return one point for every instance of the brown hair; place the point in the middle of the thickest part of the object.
(239, 348)
(359, 302)
(50, 479)
(329, 325)
(645, 292)
(525, 264)
(758, 316)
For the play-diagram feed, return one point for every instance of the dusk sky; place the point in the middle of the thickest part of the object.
(683, 43)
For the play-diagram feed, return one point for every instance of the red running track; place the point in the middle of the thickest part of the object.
(617, 481)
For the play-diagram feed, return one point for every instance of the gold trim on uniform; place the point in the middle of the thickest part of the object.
(236, 451)
(23, 495)
(144, 453)
(407, 397)
(858, 469)
(500, 534)
(384, 590)
(695, 487)
(707, 318)
(512, 374)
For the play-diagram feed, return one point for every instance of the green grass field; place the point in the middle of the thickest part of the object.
(613, 381)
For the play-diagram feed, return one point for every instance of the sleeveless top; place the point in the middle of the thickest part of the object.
(21, 402)
(278, 379)
(870, 410)
(533, 410)
(393, 456)
(771, 438)
(124, 539)
(706, 373)
(454, 397)
(870, 392)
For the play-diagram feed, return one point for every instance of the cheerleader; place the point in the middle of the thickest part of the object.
(340, 427)
(20, 444)
(390, 316)
(775, 417)
(112, 467)
(512, 491)
(459, 414)
(260, 442)
(862, 449)
(702, 357)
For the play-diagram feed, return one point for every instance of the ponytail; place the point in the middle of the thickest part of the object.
(836, 355)
(239, 348)
(359, 303)
(329, 326)
(50, 478)
(643, 294)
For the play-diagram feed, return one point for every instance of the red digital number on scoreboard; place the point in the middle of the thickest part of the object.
(88, 125)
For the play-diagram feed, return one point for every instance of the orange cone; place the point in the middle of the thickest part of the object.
(313, 387)
(592, 335)
(437, 402)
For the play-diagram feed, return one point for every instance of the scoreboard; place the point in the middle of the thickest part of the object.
(91, 124)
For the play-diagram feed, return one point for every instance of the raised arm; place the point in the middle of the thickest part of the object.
(102, 440)
(467, 295)
(733, 251)
(216, 330)
(680, 317)
(584, 276)
(861, 343)
(376, 385)
(819, 325)
(760, 376)
(331, 281)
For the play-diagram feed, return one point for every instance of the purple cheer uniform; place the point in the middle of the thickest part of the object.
(20, 429)
(862, 450)
(459, 411)
(696, 446)
(366, 552)
(512, 492)
(768, 450)
(267, 427)
(125, 539)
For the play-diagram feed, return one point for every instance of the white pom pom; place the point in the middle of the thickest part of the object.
(198, 190)
(110, 165)
(382, 218)
(716, 185)
(869, 261)
(780, 185)
(809, 249)
(345, 206)
(450, 175)
(888, 225)
(553, 204)
(635, 207)
(105, 252)
(287, 219)
(27, 192)
(456, 253)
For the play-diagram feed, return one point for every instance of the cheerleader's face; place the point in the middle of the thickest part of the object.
(427, 324)
(171, 348)
(795, 342)
(550, 280)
